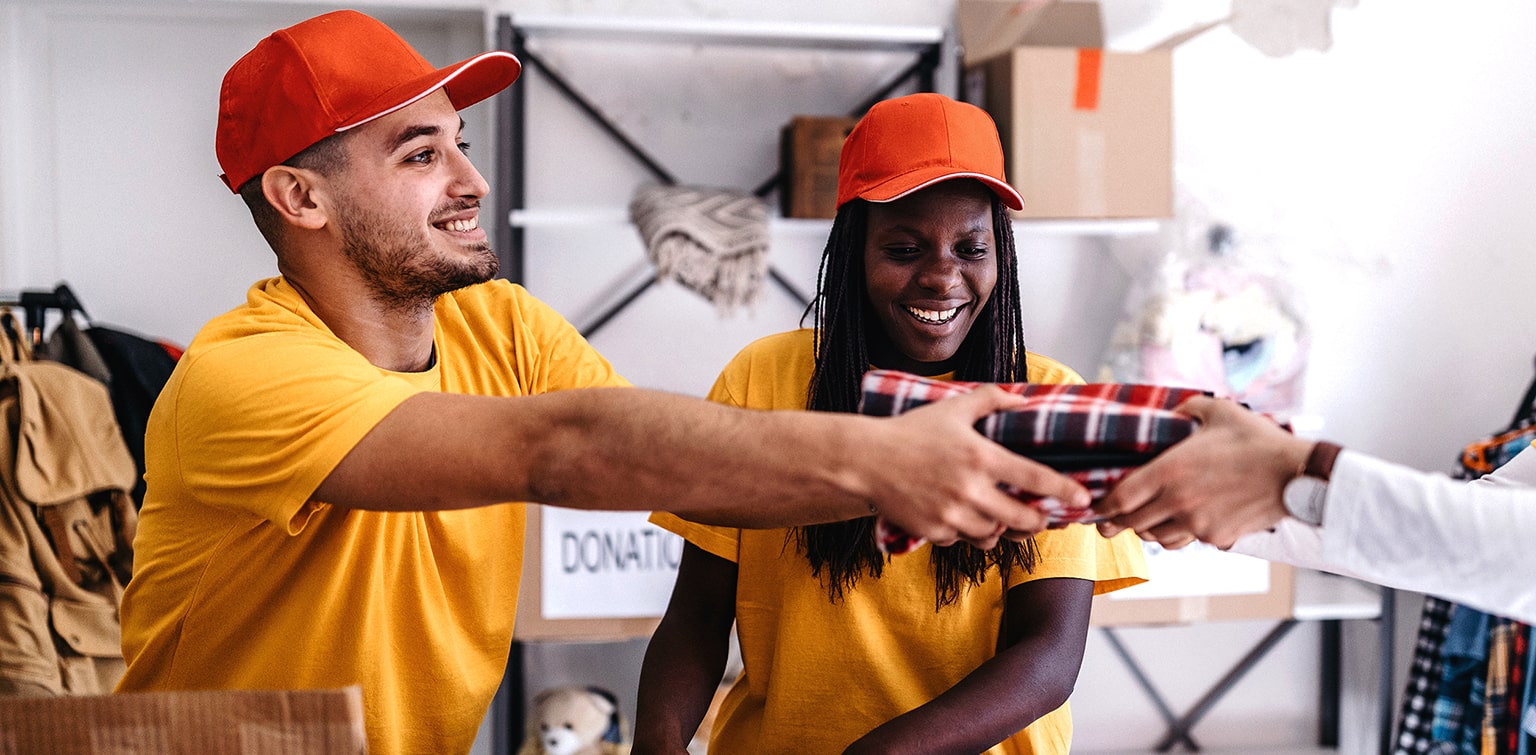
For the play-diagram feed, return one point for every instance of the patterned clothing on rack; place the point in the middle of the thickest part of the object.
(1483, 690)
(1463, 679)
(1526, 729)
(1415, 735)
(1500, 688)
(1513, 638)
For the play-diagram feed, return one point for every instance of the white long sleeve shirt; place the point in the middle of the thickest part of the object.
(1470, 542)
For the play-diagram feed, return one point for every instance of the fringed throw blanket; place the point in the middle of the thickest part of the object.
(713, 241)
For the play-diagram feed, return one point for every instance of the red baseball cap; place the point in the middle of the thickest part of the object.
(331, 73)
(909, 143)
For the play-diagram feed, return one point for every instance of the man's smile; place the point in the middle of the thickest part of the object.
(459, 225)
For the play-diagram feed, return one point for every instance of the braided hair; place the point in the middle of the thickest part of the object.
(993, 351)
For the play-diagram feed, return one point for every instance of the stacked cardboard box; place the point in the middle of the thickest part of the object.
(810, 148)
(1088, 132)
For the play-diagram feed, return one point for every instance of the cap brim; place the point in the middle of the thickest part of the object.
(918, 180)
(466, 82)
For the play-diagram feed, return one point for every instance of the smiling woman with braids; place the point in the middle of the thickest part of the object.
(945, 649)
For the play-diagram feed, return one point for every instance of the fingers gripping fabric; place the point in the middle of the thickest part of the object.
(1095, 433)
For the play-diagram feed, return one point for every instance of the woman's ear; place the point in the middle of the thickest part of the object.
(297, 195)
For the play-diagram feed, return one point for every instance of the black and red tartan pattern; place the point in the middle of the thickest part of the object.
(1095, 433)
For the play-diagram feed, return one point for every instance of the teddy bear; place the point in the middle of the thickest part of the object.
(574, 720)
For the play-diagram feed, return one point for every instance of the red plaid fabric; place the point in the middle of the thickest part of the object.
(1095, 434)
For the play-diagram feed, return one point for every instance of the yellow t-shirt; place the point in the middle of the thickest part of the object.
(241, 581)
(818, 675)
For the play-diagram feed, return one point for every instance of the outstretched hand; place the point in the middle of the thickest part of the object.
(937, 477)
(1221, 483)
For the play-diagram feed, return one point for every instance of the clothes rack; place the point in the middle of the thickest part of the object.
(34, 305)
(1468, 683)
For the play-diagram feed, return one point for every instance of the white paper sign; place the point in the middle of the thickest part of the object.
(605, 564)
(1197, 569)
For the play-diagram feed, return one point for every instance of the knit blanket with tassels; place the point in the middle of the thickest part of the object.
(713, 241)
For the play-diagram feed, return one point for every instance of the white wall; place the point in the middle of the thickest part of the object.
(107, 172)
(1393, 169)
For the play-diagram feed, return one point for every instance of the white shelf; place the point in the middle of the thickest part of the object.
(1321, 597)
(587, 217)
(745, 33)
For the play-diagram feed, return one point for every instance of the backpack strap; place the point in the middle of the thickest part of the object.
(13, 343)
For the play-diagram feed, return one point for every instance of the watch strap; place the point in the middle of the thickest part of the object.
(1319, 462)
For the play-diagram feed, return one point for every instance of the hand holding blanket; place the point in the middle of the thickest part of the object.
(1095, 433)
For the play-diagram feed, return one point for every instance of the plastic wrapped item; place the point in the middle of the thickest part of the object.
(1215, 322)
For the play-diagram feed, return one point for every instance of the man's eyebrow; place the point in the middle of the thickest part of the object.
(412, 132)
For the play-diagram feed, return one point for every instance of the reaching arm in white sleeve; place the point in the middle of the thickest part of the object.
(1471, 543)
(1467, 542)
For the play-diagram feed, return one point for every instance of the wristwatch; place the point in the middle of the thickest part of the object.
(1305, 494)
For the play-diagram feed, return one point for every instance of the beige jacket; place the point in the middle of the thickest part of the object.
(66, 531)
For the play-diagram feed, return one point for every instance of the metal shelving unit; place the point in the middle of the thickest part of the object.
(925, 43)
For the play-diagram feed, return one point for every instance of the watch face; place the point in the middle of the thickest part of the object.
(1303, 498)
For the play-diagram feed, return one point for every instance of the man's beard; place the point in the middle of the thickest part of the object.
(402, 271)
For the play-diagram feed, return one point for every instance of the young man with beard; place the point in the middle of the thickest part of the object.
(329, 466)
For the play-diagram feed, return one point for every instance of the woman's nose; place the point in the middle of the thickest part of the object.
(940, 274)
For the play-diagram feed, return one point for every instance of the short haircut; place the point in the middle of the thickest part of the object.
(325, 157)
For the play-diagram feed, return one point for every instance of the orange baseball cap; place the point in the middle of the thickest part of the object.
(331, 73)
(909, 143)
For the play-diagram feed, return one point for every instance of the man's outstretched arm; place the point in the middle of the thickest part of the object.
(928, 470)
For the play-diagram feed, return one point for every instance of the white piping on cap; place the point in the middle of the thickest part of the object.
(468, 64)
(984, 178)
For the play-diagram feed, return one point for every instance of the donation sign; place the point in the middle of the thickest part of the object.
(605, 564)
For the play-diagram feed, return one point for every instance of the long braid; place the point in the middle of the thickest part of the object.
(999, 358)
(993, 351)
(845, 550)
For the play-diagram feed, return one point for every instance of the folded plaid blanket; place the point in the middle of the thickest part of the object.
(1095, 434)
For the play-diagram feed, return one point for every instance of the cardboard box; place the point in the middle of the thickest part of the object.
(1209, 585)
(533, 620)
(227, 722)
(809, 150)
(1088, 133)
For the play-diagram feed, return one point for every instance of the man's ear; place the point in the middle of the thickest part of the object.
(297, 195)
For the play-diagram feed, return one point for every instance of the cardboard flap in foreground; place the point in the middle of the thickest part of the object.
(1278, 603)
(988, 28)
(224, 722)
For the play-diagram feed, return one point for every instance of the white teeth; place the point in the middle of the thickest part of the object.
(461, 226)
(931, 317)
